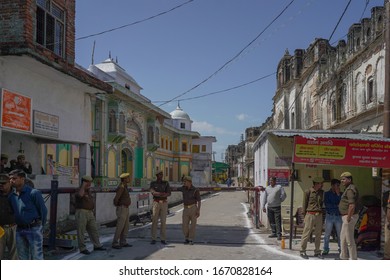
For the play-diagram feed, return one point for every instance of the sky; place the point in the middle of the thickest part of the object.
(216, 58)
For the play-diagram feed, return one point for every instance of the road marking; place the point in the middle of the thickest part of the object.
(261, 240)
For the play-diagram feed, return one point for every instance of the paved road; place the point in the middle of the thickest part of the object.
(224, 232)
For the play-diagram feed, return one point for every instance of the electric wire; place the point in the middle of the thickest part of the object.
(233, 58)
(136, 22)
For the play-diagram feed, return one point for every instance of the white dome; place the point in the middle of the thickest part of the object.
(178, 113)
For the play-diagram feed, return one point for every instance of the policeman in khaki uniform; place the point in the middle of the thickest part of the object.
(85, 218)
(191, 212)
(160, 191)
(122, 202)
(312, 207)
(7, 220)
(349, 215)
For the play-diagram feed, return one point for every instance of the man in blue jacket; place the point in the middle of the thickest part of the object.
(30, 216)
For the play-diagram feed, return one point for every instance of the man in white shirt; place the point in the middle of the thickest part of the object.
(273, 197)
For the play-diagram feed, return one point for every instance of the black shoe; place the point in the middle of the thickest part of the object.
(186, 241)
(318, 255)
(304, 256)
(85, 252)
(153, 242)
(116, 246)
(100, 249)
(325, 252)
(279, 238)
(191, 242)
(272, 236)
(163, 242)
(127, 245)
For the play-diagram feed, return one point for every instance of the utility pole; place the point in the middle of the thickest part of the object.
(386, 109)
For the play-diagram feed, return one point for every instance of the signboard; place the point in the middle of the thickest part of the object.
(282, 176)
(15, 111)
(350, 152)
(46, 124)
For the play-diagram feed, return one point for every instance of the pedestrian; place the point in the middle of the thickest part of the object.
(272, 197)
(22, 164)
(349, 211)
(313, 200)
(30, 216)
(3, 164)
(122, 202)
(333, 217)
(191, 212)
(7, 221)
(229, 182)
(85, 219)
(386, 255)
(160, 191)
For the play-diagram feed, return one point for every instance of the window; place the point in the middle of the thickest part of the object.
(122, 122)
(203, 148)
(184, 147)
(182, 125)
(370, 90)
(150, 135)
(195, 149)
(50, 22)
(112, 122)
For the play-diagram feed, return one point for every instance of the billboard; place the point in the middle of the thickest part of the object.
(369, 153)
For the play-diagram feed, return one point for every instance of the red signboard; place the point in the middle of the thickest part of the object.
(350, 152)
(15, 111)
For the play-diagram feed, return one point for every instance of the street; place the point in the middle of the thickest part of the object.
(224, 231)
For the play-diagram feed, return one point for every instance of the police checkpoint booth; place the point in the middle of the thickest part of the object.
(295, 157)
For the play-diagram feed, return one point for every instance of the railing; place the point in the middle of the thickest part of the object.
(54, 191)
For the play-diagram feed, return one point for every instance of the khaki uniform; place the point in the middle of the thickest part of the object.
(86, 221)
(160, 207)
(347, 239)
(191, 198)
(312, 206)
(122, 202)
(7, 221)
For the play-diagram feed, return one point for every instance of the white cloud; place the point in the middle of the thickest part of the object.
(205, 128)
(242, 117)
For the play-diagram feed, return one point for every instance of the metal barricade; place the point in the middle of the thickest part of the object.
(143, 209)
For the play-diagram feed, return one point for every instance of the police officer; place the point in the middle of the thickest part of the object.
(122, 202)
(7, 220)
(349, 215)
(85, 218)
(312, 207)
(160, 191)
(191, 212)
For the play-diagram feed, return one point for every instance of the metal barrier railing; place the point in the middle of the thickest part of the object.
(54, 191)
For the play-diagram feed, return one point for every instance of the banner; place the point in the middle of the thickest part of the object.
(15, 111)
(350, 152)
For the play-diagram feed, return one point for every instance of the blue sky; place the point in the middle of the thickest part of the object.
(181, 50)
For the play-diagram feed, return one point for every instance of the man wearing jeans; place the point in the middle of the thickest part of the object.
(332, 218)
(349, 212)
(273, 197)
(30, 216)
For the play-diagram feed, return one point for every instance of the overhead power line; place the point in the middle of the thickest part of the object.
(232, 59)
(223, 90)
(136, 22)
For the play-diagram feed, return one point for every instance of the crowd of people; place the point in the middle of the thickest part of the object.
(23, 214)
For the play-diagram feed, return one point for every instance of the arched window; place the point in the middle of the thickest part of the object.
(122, 124)
(112, 121)
(150, 134)
(370, 90)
